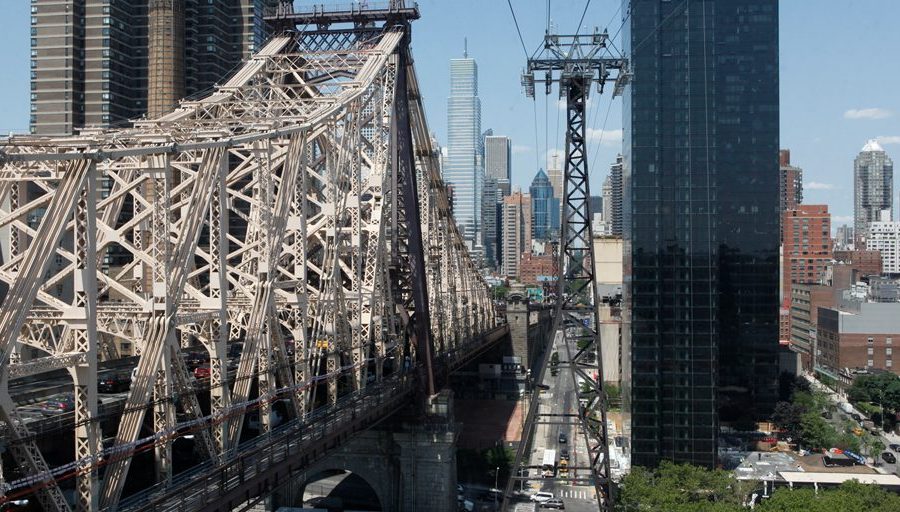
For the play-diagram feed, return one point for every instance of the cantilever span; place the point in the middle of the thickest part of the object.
(295, 216)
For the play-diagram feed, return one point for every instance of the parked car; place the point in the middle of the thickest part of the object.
(564, 454)
(554, 503)
(202, 372)
(114, 382)
(889, 457)
(65, 403)
(895, 447)
(541, 497)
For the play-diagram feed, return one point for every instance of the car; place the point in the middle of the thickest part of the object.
(541, 497)
(113, 382)
(889, 457)
(564, 454)
(554, 503)
(562, 438)
(61, 404)
(856, 417)
(202, 372)
(895, 447)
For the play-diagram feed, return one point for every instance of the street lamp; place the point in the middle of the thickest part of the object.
(496, 481)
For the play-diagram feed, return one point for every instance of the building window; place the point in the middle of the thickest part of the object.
(870, 363)
(888, 341)
(888, 363)
(888, 351)
(870, 351)
(871, 340)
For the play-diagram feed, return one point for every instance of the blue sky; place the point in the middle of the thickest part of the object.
(838, 61)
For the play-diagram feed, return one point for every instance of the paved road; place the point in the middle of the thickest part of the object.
(560, 398)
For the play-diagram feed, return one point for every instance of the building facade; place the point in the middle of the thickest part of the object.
(545, 208)
(537, 270)
(843, 238)
(864, 262)
(612, 199)
(790, 182)
(516, 232)
(884, 237)
(91, 60)
(873, 187)
(555, 173)
(806, 299)
(498, 161)
(462, 167)
(860, 339)
(807, 245)
(489, 208)
(701, 223)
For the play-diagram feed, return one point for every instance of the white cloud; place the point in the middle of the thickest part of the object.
(606, 137)
(867, 113)
(888, 139)
(841, 219)
(815, 185)
(519, 149)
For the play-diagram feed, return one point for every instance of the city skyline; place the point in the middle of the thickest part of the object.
(823, 140)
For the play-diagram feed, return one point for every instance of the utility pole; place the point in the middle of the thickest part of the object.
(575, 63)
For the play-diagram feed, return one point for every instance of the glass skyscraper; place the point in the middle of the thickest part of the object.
(701, 222)
(873, 187)
(544, 207)
(463, 165)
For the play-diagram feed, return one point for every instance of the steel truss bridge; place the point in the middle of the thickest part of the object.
(299, 204)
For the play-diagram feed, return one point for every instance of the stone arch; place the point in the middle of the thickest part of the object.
(370, 457)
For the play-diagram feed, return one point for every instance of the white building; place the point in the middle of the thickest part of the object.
(884, 237)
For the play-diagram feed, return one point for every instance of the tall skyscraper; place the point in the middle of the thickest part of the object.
(555, 173)
(791, 182)
(90, 59)
(516, 232)
(489, 208)
(612, 198)
(873, 187)
(544, 208)
(701, 222)
(498, 161)
(462, 167)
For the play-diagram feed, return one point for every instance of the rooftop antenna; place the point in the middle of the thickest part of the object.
(465, 47)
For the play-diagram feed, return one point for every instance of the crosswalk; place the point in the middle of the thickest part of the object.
(576, 494)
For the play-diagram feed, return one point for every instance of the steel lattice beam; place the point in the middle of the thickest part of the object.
(264, 214)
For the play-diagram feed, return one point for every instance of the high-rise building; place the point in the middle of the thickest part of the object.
(555, 173)
(90, 59)
(462, 166)
(701, 223)
(544, 208)
(807, 246)
(873, 187)
(612, 198)
(516, 232)
(884, 237)
(498, 161)
(791, 182)
(489, 207)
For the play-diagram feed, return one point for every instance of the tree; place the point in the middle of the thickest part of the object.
(787, 417)
(849, 497)
(815, 432)
(680, 488)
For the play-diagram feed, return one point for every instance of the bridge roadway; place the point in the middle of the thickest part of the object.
(263, 463)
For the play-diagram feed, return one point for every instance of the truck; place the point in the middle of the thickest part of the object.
(548, 464)
(846, 407)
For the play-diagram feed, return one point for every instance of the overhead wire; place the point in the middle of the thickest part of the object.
(516, 22)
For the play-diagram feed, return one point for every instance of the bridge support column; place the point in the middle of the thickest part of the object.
(428, 459)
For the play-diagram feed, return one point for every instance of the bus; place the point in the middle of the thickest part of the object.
(548, 465)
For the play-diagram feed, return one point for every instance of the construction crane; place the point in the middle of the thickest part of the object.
(575, 63)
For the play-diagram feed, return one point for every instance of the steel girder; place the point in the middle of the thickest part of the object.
(261, 213)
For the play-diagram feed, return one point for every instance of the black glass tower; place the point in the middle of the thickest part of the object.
(701, 222)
